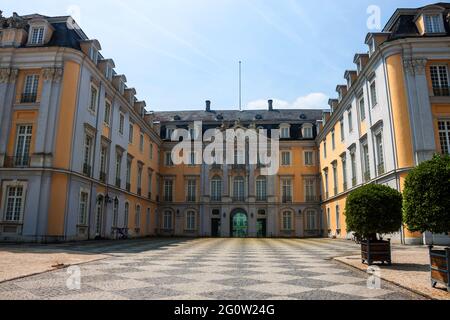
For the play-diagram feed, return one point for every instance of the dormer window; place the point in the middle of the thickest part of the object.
(433, 23)
(109, 73)
(121, 87)
(307, 131)
(37, 36)
(372, 46)
(285, 131)
(93, 55)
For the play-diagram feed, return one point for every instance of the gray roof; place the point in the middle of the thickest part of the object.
(277, 115)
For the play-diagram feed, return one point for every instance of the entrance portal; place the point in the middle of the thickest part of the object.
(239, 225)
(262, 228)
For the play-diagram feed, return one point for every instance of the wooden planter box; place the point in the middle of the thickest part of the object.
(376, 251)
(440, 262)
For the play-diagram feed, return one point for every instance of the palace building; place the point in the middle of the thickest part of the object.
(392, 113)
(81, 157)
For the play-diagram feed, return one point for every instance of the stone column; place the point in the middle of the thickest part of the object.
(421, 117)
(8, 79)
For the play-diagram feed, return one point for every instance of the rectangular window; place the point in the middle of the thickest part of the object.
(433, 23)
(118, 169)
(150, 184)
(439, 80)
(380, 152)
(88, 143)
(308, 132)
(362, 108)
(311, 220)
(444, 136)
(261, 189)
(139, 180)
(216, 189)
(192, 158)
(83, 208)
(191, 190)
(168, 190)
(190, 221)
(285, 133)
(107, 118)
(93, 101)
(325, 175)
(167, 221)
(169, 132)
(141, 142)
(121, 123)
(350, 121)
(286, 158)
(353, 166)
(23, 145)
(168, 159)
(14, 203)
(344, 171)
(30, 89)
(131, 133)
(325, 149)
(287, 221)
(366, 161)
(151, 151)
(335, 179)
(338, 219)
(309, 158)
(373, 93)
(37, 36)
(128, 177)
(333, 140)
(239, 189)
(310, 190)
(341, 122)
(115, 220)
(103, 162)
(286, 190)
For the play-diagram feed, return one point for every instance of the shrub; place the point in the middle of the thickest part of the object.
(427, 196)
(374, 209)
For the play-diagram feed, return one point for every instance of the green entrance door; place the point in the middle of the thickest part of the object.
(239, 225)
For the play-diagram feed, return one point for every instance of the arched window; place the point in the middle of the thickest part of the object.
(137, 217)
(216, 188)
(261, 188)
(126, 215)
(167, 220)
(191, 220)
(287, 220)
(115, 213)
(311, 220)
(238, 189)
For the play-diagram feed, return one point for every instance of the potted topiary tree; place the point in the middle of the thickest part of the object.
(427, 209)
(372, 211)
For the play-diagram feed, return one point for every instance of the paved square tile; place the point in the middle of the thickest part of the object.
(219, 269)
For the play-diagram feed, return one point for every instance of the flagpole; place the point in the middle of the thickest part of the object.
(240, 85)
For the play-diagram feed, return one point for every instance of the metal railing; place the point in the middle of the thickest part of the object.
(28, 98)
(441, 91)
(17, 162)
(287, 199)
(312, 198)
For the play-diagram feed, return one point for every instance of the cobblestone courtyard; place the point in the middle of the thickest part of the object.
(219, 269)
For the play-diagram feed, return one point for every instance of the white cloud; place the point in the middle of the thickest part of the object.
(315, 100)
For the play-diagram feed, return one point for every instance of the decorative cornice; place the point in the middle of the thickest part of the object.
(8, 75)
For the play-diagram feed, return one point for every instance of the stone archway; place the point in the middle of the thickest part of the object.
(239, 224)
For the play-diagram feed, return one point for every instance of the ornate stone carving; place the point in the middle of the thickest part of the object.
(52, 74)
(415, 66)
(4, 75)
(16, 22)
(48, 74)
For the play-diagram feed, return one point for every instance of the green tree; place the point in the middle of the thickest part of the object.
(374, 209)
(426, 204)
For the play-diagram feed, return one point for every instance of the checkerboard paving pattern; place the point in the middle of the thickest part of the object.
(218, 269)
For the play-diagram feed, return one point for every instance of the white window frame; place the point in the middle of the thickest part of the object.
(261, 188)
(362, 107)
(167, 220)
(311, 220)
(309, 160)
(137, 216)
(168, 190)
(141, 142)
(23, 154)
(444, 135)
(107, 115)
(191, 220)
(239, 188)
(191, 190)
(40, 36)
(126, 215)
(168, 159)
(286, 158)
(116, 206)
(285, 131)
(433, 23)
(307, 131)
(216, 188)
(121, 122)
(287, 222)
(373, 93)
(5, 189)
(93, 99)
(131, 133)
(83, 217)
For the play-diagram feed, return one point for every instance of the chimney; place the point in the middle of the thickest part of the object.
(270, 105)
(208, 106)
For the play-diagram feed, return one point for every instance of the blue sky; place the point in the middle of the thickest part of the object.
(179, 53)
